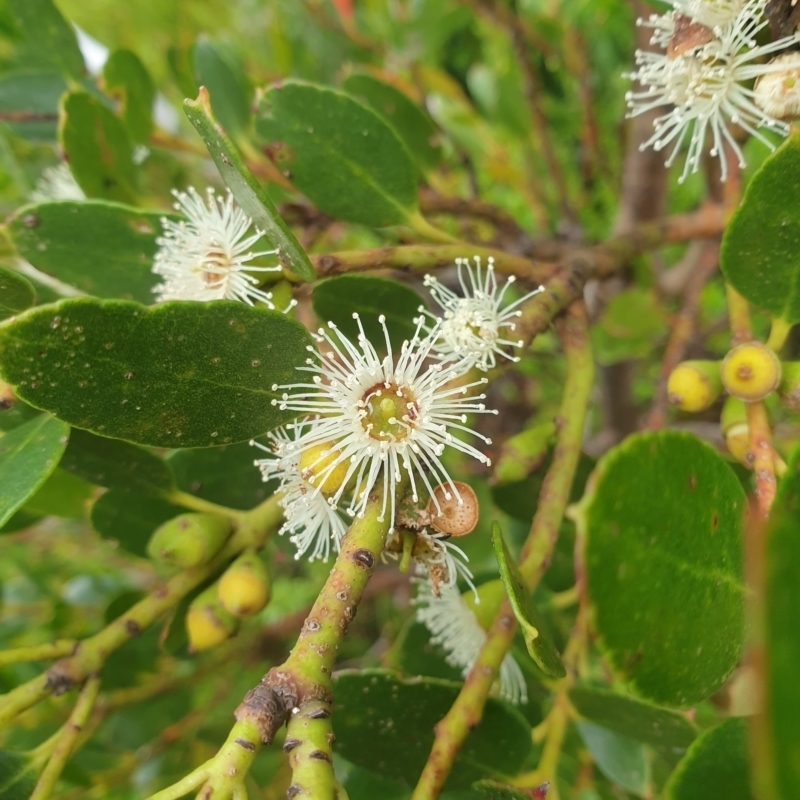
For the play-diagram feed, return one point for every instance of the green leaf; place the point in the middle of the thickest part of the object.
(782, 612)
(661, 525)
(180, 374)
(33, 97)
(540, 648)
(715, 766)
(760, 255)
(620, 759)
(126, 79)
(131, 517)
(104, 249)
(16, 293)
(19, 521)
(417, 130)
(17, 776)
(115, 464)
(28, 454)
(366, 700)
(46, 40)
(98, 148)
(494, 790)
(342, 155)
(222, 475)
(337, 299)
(216, 68)
(61, 495)
(246, 189)
(669, 732)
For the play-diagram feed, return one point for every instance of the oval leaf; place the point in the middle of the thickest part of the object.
(104, 249)
(620, 759)
(337, 299)
(34, 97)
(18, 774)
(661, 527)
(61, 495)
(344, 157)
(760, 255)
(246, 189)
(16, 293)
(126, 79)
(180, 374)
(540, 648)
(28, 455)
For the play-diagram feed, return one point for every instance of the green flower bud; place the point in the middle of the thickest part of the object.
(208, 622)
(736, 429)
(188, 540)
(694, 385)
(245, 588)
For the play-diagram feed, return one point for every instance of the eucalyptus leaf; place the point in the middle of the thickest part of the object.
(101, 248)
(16, 293)
(249, 194)
(540, 648)
(33, 97)
(98, 147)
(342, 155)
(620, 759)
(661, 526)
(61, 495)
(180, 374)
(17, 775)
(28, 455)
(126, 79)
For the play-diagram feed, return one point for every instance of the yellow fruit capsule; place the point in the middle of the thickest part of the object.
(491, 594)
(736, 430)
(750, 372)
(315, 460)
(245, 589)
(694, 385)
(789, 390)
(188, 540)
(208, 622)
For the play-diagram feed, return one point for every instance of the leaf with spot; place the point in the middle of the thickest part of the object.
(101, 248)
(249, 193)
(342, 155)
(540, 648)
(126, 79)
(661, 530)
(180, 374)
(28, 455)
(16, 293)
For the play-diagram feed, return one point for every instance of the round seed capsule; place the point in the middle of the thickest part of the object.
(694, 385)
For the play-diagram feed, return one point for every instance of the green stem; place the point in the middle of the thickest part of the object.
(204, 506)
(38, 652)
(778, 334)
(420, 225)
(467, 710)
(310, 756)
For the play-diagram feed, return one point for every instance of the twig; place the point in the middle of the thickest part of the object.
(763, 455)
(432, 203)
(38, 652)
(28, 116)
(535, 557)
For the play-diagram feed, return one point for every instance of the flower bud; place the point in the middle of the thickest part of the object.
(736, 430)
(694, 385)
(244, 589)
(315, 460)
(490, 595)
(751, 371)
(452, 515)
(208, 622)
(789, 390)
(188, 540)
(778, 93)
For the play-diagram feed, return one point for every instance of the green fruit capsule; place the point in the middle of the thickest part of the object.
(208, 622)
(789, 390)
(245, 587)
(694, 385)
(188, 540)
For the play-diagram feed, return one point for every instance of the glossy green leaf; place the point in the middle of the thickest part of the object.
(342, 155)
(661, 525)
(61, 495)
(115, 464)
(715, 766)
(760, 255)
(19, 521)
(217, 68)
(782, 634)
(104, 249)
(16, 293)
(180, 374)
(337, 299)
(98, 147)
(45, 40)
(17, 775)
(671, 733)
(249, 194)
(412, 123)
(130, 518)
(127, 80)
(413, 653)
(540, 648)
(222, 475)
(620, 759)
(362, 784)
(32, 97)
(28, 454)
(366, 700)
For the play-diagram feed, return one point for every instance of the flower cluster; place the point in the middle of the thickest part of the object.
(701, 75)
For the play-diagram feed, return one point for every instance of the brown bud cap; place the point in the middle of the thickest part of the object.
(454, 512)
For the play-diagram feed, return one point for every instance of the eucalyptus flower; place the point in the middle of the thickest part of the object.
(57, 183)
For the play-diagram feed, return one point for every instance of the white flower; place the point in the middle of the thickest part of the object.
(708, 87)
(475, 324)
(57, 183)
(454, 626)
(778, 93)
(205, 257)
(311, 519)
(383, 416)
(714, 13)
